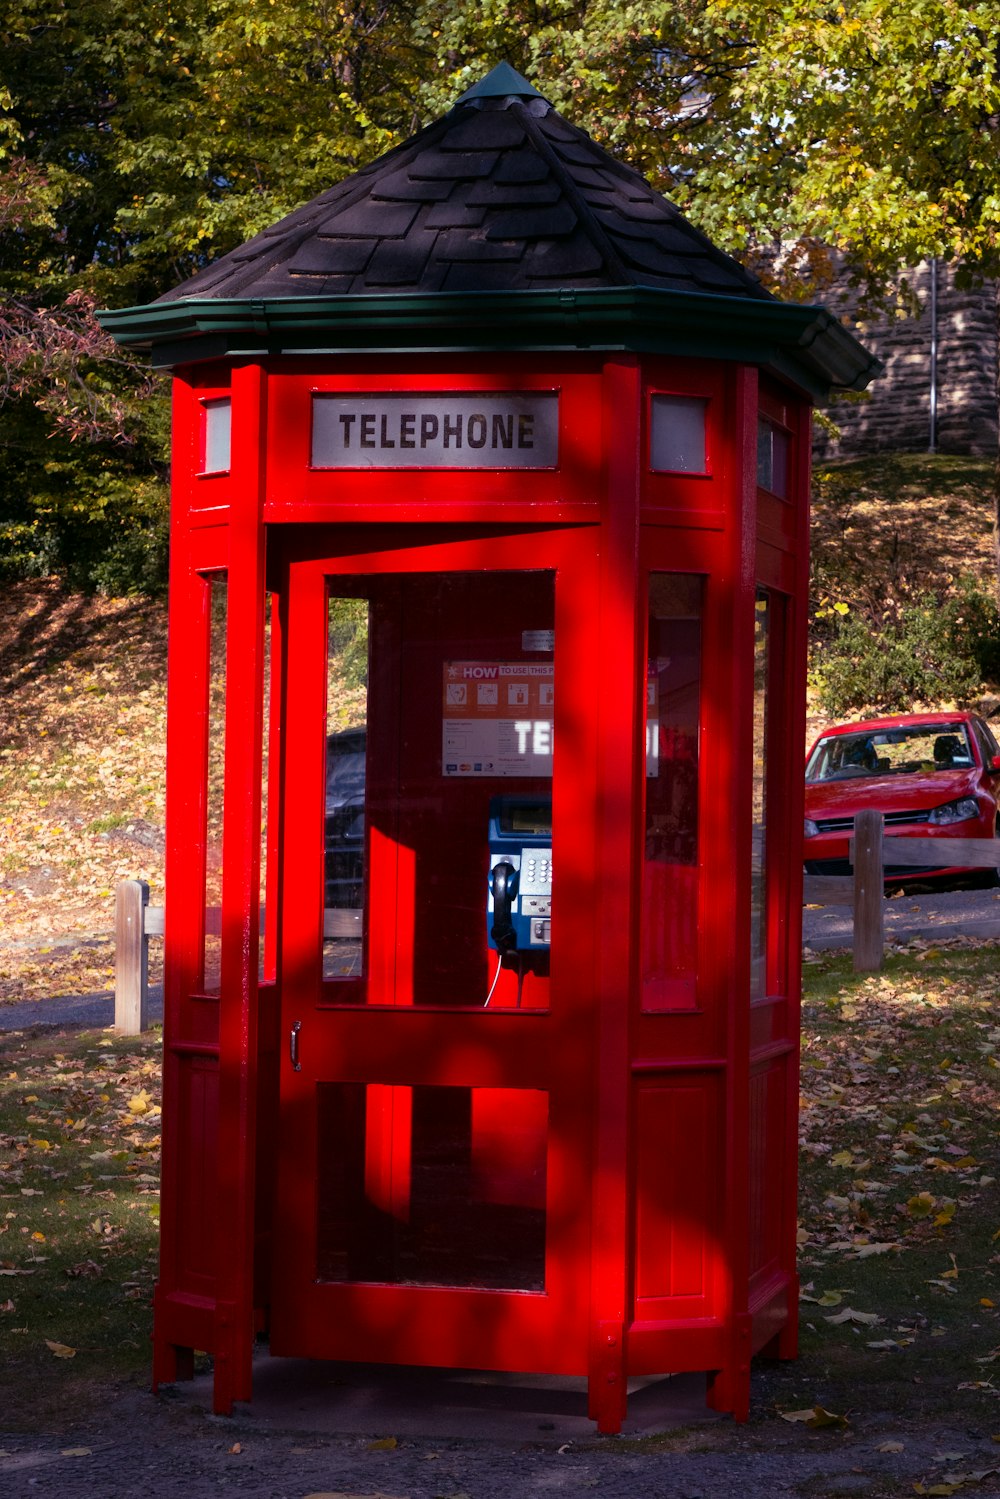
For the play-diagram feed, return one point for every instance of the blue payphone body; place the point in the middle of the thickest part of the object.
(519, 898)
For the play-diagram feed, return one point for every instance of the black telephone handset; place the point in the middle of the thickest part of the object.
(503, 888)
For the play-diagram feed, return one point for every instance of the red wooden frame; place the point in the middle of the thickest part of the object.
(672, 1133)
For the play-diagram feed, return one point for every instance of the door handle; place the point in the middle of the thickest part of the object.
(293, 1046)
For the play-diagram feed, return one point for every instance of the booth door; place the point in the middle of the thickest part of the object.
(432, 1199)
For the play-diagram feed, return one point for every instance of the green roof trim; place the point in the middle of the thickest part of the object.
(807, 344)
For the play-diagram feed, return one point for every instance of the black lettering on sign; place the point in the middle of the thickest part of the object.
(503, 432)
(454, 429)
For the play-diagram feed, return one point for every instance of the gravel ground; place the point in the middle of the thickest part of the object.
(168, 1449)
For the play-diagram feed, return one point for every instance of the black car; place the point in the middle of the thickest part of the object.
(344, 846)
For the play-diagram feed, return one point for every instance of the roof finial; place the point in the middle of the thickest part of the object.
(503, 82)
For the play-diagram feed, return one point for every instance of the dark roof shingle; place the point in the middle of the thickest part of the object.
(500, 194)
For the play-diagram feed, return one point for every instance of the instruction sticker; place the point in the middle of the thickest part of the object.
(497, 718)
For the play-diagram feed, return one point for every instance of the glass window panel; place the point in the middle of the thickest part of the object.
(773, 446)
(440, 745)
(215, 772)
(431, 1185)
(217, 435)
(677, 434)
(670, 866)
(758, 876)
(344, 824)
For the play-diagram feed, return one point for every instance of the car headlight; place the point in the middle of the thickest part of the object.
(961, 811)
(811, 830)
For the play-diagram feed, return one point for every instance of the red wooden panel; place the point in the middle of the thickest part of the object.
(678, 1197)
(297, 491)
(768, 1156)
(198, 497)
(697, 500)
(196, 1211)
(777, 521)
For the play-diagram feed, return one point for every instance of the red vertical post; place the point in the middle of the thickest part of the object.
(238, 1019)
(184, 878)
(797, 623)
(729, 1387)
(618, 815)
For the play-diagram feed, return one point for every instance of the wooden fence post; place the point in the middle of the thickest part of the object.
(869, 895)
(131, 958)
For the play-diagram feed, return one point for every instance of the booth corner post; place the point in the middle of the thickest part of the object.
(488, 615)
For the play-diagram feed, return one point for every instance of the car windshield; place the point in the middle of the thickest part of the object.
(890, 752)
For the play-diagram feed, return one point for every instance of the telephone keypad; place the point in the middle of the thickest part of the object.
(536, 871)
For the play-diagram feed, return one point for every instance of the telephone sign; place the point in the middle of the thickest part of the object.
(439, 429)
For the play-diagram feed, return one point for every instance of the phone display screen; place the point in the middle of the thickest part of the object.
(528, 819)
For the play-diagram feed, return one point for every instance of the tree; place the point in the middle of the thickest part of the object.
(785, 130)
(136, 146)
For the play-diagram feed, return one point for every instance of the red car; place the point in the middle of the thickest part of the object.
(928, 773)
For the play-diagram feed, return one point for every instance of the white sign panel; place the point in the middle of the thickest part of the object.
(439, 429)
(497, 718)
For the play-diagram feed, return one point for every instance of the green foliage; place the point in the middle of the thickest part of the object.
(136, 146)
(348, 629)
(94, 513)
(928, 650)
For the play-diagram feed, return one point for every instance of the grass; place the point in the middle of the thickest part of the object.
(899, 1214)
(79, 1209)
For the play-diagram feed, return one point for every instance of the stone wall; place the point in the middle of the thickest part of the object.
(895, 412)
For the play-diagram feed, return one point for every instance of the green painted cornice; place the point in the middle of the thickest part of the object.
(806, 344)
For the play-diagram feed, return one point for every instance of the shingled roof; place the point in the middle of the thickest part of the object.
(501, 194)
(499, 227)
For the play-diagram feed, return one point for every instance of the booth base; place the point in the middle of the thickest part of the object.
(379, 1400)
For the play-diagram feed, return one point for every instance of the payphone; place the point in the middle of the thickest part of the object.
(519, 898)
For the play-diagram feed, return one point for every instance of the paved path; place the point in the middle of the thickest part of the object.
(90, 1010)
(945, 913)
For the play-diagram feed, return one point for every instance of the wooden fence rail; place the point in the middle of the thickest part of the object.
(136, 920)
(870, 850)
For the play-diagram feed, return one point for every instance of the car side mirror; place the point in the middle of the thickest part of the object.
(995, 763)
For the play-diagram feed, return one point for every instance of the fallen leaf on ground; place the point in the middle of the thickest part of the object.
(815, 1416)
(866, 1319)
(61, 1350)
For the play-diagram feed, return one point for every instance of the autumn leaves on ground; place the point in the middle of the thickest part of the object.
(82, 698)
(900, 1229)
(899, 1236)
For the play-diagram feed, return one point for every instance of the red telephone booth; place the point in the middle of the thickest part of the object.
(489, 588)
